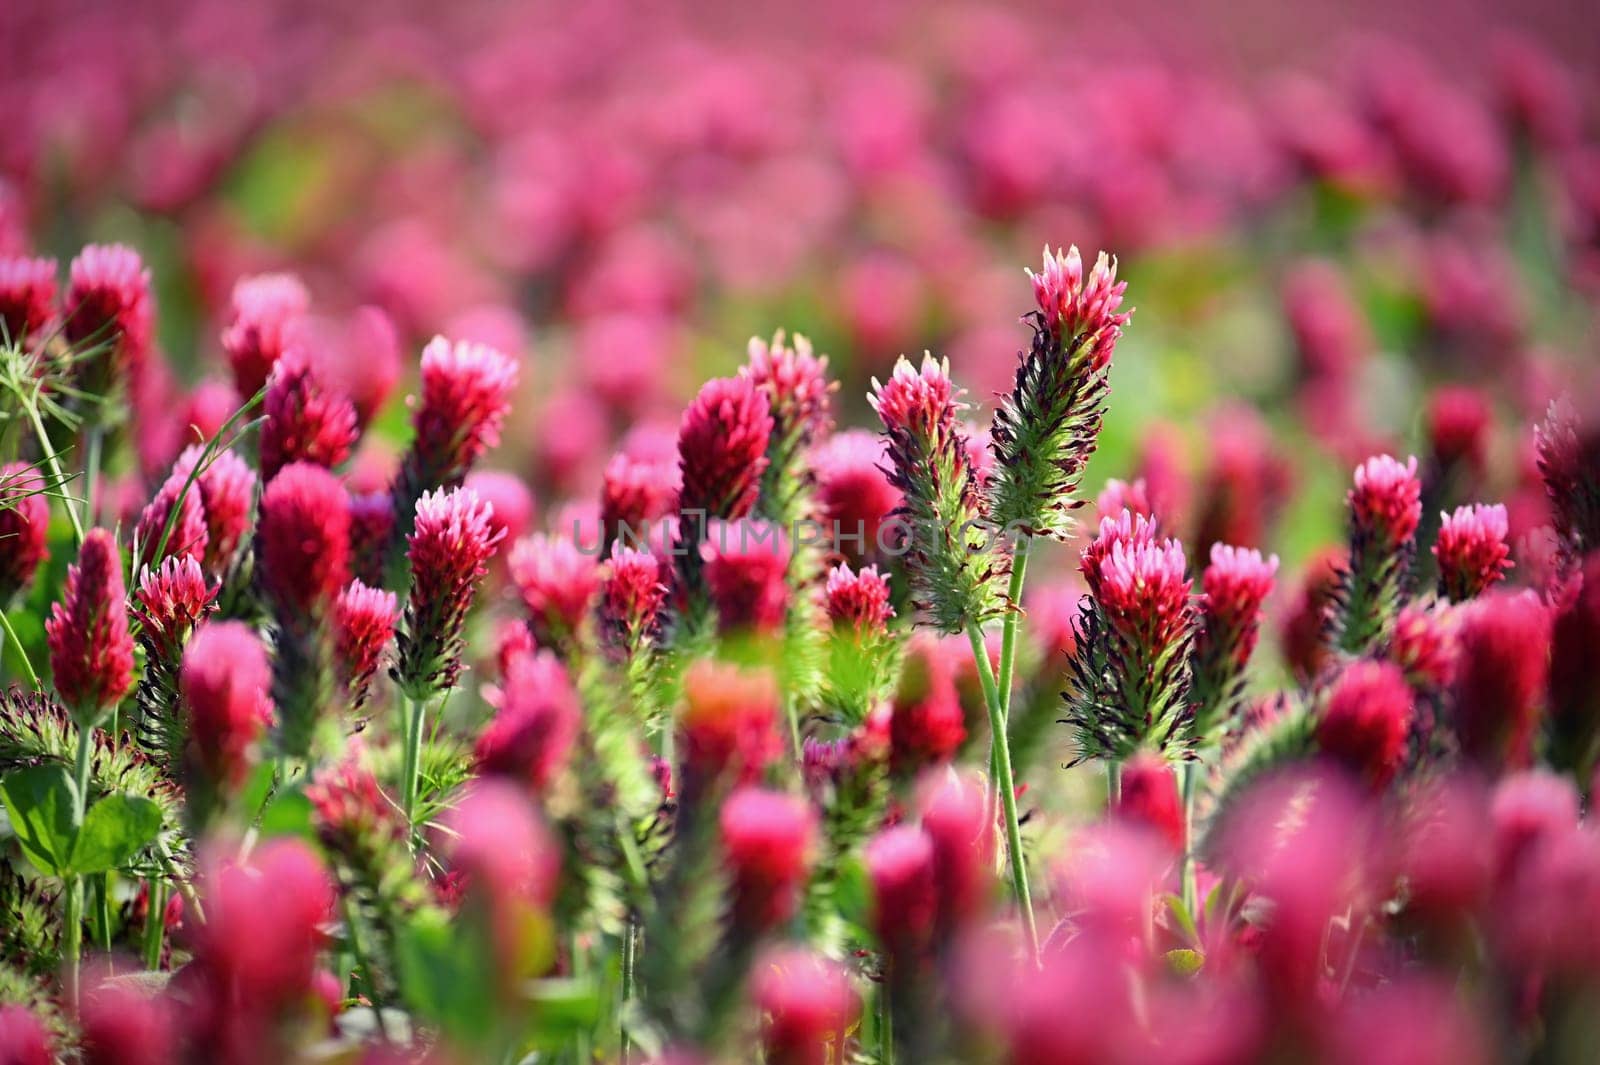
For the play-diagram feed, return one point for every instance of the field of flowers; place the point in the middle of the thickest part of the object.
(563, 534)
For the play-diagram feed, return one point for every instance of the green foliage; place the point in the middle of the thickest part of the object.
(41, 801)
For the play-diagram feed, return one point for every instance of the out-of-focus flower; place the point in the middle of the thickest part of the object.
(306, 422)
(1149, 797)
(926, 724)
(1415, 1021)
(1423, 644)
(466, 394)
(808, 1003)
(1236, 583)
(1442, 851)
(854, 494)
(1364, 723)
(1459, 422)
(1569, 461)
(635, 494)
(190, 534)
(123, 1025)
(27, 297)
(23, 1038)
(91, 650)
(24, 527)
(510, 502)
(1574, 697)
(109, 308)
(1501, 670)
(450, 546)
(224, 684)
(957, 820)
(1471, 550)
(1305, 621)
(632, 592)
(536, 721)
(746, 570)
(1244, 485)
(227, 493)
(359, 358)
(557, 582)
(267, 316)
(722, 448)
(729, 725)
(900, 865)
(303, 542)
(767, 840)
(371, 528)
(363, 623)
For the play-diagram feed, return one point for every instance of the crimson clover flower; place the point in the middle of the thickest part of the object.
(109, 313)
(27, 297)
(305, 420)
(24, 527)
(91, 649)
(267, 317)
(1471, 550)
(768, 839)
(1236, 583)
(1385, 508)
(450, 546)
(363, 622)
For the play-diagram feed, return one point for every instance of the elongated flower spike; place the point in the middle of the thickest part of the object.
(1135, 630)
(1365, 720)
(169, 602)
(722, 449)
(746, 563)
(91, 649)
(537, 718)
(450, 547)
(768, 840)
(952, 575)
(268, 317)
(1046, 429)
(225, 683)
(632, 593)
(1471, 550)
(808, 1005)
(363, 622)
(27, 297)
(634, 495)
(1385, 509)
(1236, 583)
(728, 725)
(108, 307)
(1502, 669)
(797, 388)
(371, 528)
(190, 533)
(227, 488)
(24, 527)
(306, 421)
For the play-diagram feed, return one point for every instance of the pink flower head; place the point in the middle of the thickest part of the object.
(496, 843)
(189, 535)
(926, 725)
(363, 622)
(349, 809)
(109, 302)
(1082, 311)
(746, 570)
(267, 319)
(635, 493)
(957, 820)
(1118, 496)
(1111, 876)
(905, 902)
(1501, 670)
(125, 1025)
(1412, 1021)
(795, 382)
(767, 841)
(854, 493)
(303, 542)
(1459, 422)
(536, 720)
(358, 357)
(1386, 502)
(921, 402)
(1442, 850)
(729, 724)
(23, 1038)
(808, 1005)
(450, 546)
(169, 602)
(466, 394)
(371, 527)
(227, 493)
(722, 448)
(91, 651)
(1139, 583)
(1149, 798)
(224, 682)
(557, 582)
(632, 592)
(858, 601)
(1236, 583)
(1541, 914)
(1471, 550)
(306, 422)
(510, 502)
(27, 297)
(1423, 645)
(24, 527)
(1366, 719)
(1568, 446)
(1528, 809)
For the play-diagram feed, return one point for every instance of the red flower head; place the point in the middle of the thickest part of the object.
(268, 318)
(27, 297)
(169, 603)
(858, 601)
(349, 809)
(1501, 669)
(363, 621)
(536, 721)
(728, 724)
(227, 494)
(808, 1004)
(927, 725)
(1305, 620)
(1471, 550)
(1459, 422)
(1386, 503)
(1245, 483)
(450, 546)
(24, 527)
(957, 821)
(91, 651)
(1423, 645)
(1236, 583)
(23, 1039)
(923, 402)
(1412, 1021)
(905, 901)
(510, 503)
(795, 382)
(224, 682)
(746, 569)
(1366, 719)
(124, 1025)
(1082, 311)
(632, 591)
(466, 394)
(371, 527)
(305, 421)
(108, 302)
(303, 542)
(1139, 583)
(1442, 850)
(557, 582)
(767, 840)
(1149, 798)
(634, 494)
(854, 493)
(190, 534)
(722, 448)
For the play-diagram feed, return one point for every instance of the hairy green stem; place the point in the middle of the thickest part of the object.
(1190, 772)
(630, 950)
(155, 922)
(1007, 786)
(415, 712)
(73, 944)
(22, 652)
(364, 965)
(1008, 660)
(55, 467)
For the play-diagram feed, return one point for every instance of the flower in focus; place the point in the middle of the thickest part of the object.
(466, 394)
(722, 449)
(632, 592)
(363, 622)
(1471, 551)
(450, 546)
(91, 649)
(305, 421)
(1385, 508)
(858, 601)
(1236, 584)
(173, 523)
(227, 488)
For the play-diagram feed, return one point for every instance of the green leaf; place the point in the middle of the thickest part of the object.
(446, 975)
(114, 830)
(1180, 914)
(289, 814)
(562, 1007)
(40, 802)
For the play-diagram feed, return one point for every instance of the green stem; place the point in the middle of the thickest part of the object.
(55, 468)
(1007, 786)
(80, 800)
(415, 713)
(191, 901)
(155, 923)
(94, 437)
(1190, 771)
(363, 964)
(22, 652)
(630, 950)
(1008, 629)
(1113, 783)
(102, 904)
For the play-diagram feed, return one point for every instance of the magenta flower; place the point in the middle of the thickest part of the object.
(957, 820)
(451, 543)
(91, 651)
(1082, 311)
(1574, 697)
(767, 841)
(306, 422)
(808, 1003)
(1386, 502)
(1385, 509)
(722, 449)
(1501, 672)
(746, 571)
(227, 492)
(303, 542)
(27, 297)
(1149, 798)
(905, 905)
(634, 494)
(1459, 421)
(510, 502)
(1472, 551)
(123, 1025)
(1423, 645)
(632, 592)
(23, 1038)
(24, 527)
(1568, 448)
(190, 534)
(728, 725)
(169, 602)
(268, 318)
(795, 382)
(363, 622)
(466, 394)
(858, 601)
(1236, 583)
(1364, 723)
(927, 725)
(557, 582)
(854, 494)
(225, 684)
(371, 529)
(536, 721)
(351, 811)
(109, 303)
